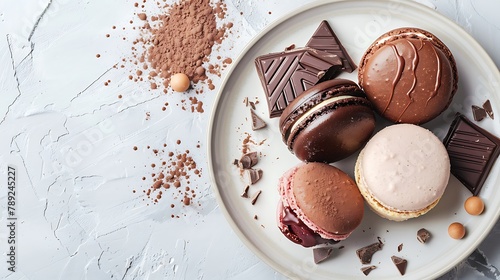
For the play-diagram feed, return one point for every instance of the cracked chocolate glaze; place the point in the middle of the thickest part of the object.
(409, 76)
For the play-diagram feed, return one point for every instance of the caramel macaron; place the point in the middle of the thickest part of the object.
(409, 75)
(328, 122)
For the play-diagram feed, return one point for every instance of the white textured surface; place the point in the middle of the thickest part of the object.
(71, 140)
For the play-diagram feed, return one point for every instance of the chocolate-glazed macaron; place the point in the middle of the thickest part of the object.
(409, 75)
(328, 122)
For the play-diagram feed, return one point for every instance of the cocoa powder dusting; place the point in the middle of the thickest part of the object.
(172, 175)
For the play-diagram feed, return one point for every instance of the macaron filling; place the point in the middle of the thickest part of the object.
(317, 108)
(295, 230)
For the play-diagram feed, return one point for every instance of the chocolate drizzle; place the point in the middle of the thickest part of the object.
(401, 66)
(437, 85)
(414, 64)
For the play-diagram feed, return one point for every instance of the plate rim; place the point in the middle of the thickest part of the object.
(255, 39)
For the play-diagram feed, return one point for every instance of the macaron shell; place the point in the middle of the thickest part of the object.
(404, 168)
(379, 208)
(409, 75)
(327, 198)
(333, 133)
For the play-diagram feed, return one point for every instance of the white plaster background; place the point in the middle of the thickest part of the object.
(71, 140)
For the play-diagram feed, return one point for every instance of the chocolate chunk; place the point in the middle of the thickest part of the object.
(472, 150)
(257, 122)
(400, 263)
(248, 160)
(256, 196)
(367, 269)
(322, 253)
(330, 74)
(289, 48)
(254, 175)
(423, 235)
(488, 109)
(325, 39)
(400, 247)
(245, 191)
(478, 113)
(285, 75)
(365, 254)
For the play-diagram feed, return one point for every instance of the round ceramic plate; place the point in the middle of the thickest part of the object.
(357, 24)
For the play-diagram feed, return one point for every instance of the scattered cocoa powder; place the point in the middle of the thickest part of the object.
(172, 171)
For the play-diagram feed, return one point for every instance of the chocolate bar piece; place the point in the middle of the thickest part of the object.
(248, 160)
(325, 39)
(257, 122)
(488, 109)
(367, 269)
(254, 175)
(400, 264)
(423, 235)
(478, 113)
(285, 75)
(322, 253)
(365, 254)
(472, 150)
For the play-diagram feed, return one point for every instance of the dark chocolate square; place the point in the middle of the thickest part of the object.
(472, 151)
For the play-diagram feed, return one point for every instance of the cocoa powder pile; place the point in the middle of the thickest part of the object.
(180, 41)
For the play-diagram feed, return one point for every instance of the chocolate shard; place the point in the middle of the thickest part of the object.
(478, 113)
(248, 160)
(400, 247)
(289, 48)
(423, 235)
(330, 74)
(488, 109)
(245, 191)
(321, 254)
(325, 39)
(365, 254)
(400, 264)
(257, 122)
(472, 150)
(285, 75)
(254, 175)
(255, 197)
(367, 269)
